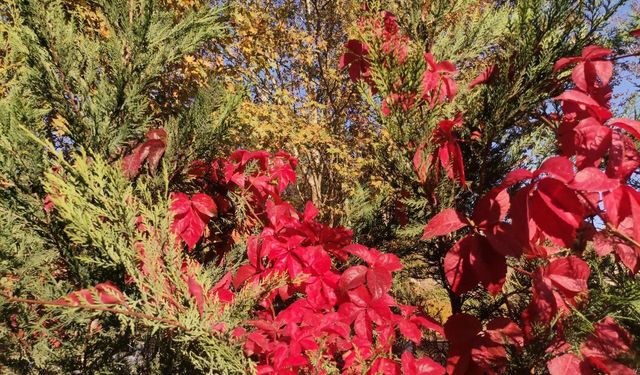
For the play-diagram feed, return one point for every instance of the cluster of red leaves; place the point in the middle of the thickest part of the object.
(543, 219)
(358, 326)
(474, 350)
(438, 84)
(447, 153)
(256, 176)
(322, 317)
(588, 132)
(607, 342)
(394, 43)
(391, 42)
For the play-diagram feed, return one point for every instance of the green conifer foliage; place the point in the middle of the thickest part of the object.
(89, 76)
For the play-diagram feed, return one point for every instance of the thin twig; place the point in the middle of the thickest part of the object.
(610, 228)
(620, 57)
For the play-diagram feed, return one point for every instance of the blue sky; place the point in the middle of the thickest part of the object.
(629, 82)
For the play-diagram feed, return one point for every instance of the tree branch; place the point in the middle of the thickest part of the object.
(133, 314)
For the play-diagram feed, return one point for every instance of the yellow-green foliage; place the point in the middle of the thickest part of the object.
(99, 209)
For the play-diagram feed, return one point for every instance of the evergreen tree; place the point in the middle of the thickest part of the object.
(82, 83)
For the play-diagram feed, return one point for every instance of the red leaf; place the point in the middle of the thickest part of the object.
(155, 151)
(387, 262)
(591, 141)
(505, 331)
(352, 277)
(445, 222)
(603, 244)
(635, 33)
(310, 212)
(555, 288)
(457, 265)
(569, 274)
(564, 62)
(544, 304)
(585, 103)
(577, 97)
(593, 179)
(458, 163)
(47, 203)
(196, 291)
(488, 354)
(109, 294)
(568, 364)
(385, 366)
(594, 52)
(556, 211)
(631, 126)
(191, 216)
(410, 330)
(558, 167)
(618, 204)
(489, 267)
(514, 177)
(591, 56)
(629, 256)
(624, 158)
(409, 313)
(420, 165)
(355, 58)
(437, 81)
(204, 204)
(609, 366)
(603, 70)
(132, 163)
(492, 208)
(151, 150)
(525, 229)
(580, 77)
(221, 289)
(585, 74)
(503, 240)
(362, 252)
(461, 330)
(363, 326)
(378, 282)
(483, 77)
(421, 366)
